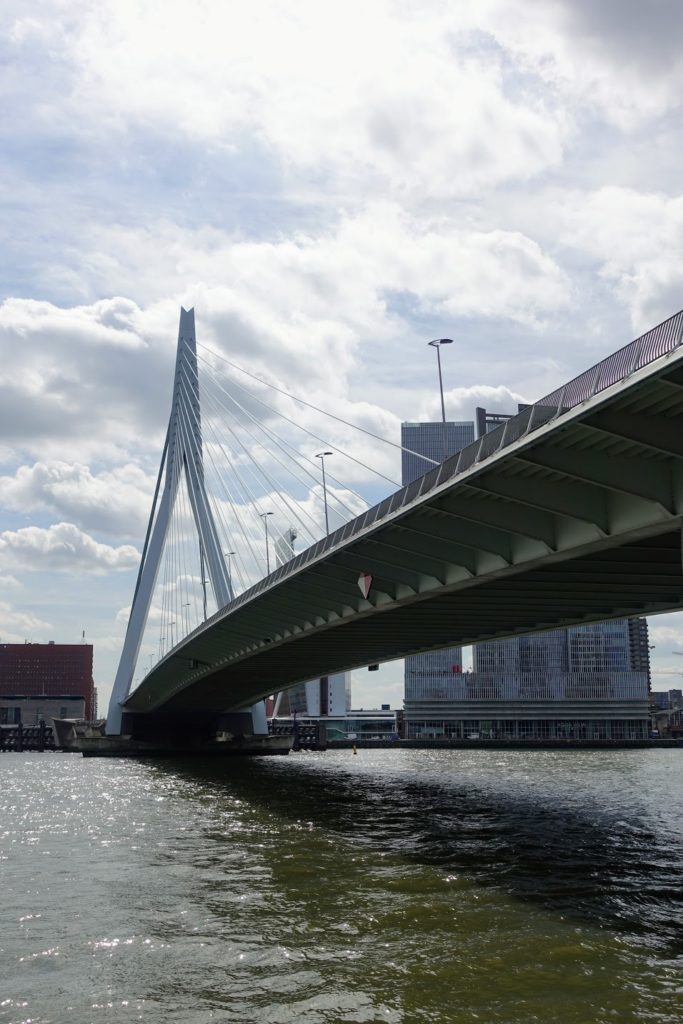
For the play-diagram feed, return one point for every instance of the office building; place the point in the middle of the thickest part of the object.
(317, 698)
(575, 683)
(60, 673)
(667, 700)
(639, 646)
(423, 445)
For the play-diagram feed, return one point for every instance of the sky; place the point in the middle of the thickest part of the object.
(330, 186)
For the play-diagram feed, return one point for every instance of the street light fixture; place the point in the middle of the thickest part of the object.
(228, 555)
(437, 343)
(264, 517)
(321, 456)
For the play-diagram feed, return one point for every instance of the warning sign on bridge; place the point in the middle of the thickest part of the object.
(365, 582)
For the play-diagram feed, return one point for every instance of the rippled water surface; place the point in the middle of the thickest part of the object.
(392, 886)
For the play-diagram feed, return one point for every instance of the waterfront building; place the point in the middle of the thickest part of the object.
(34, 710)
(667, 700)
(373, 724)
(329, 695)
(584, 682)
(639, 646)
(38, 673)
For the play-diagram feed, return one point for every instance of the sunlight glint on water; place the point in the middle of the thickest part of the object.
(388, 886)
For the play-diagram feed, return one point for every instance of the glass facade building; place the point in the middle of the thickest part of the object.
(427, 439)
(598, 648)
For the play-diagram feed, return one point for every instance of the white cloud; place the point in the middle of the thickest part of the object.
(637, 239)
(373, 94)
(8, 582)
(294, 310)
(17, 626)
(669, 636)
(62, 548)
(107, 322)
(460, 403)
(115, 502)
(318, 287)
(619, 58)
(81, 380)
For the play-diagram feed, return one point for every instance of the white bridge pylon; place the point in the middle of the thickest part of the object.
(182, 454)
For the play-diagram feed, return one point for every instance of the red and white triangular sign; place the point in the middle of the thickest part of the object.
(365, 582)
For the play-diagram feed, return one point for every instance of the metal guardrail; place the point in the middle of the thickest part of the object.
(619, 366)
(20, 738)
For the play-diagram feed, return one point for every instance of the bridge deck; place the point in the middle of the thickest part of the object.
(570, 512)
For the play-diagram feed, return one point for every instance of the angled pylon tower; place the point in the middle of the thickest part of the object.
(182, 454)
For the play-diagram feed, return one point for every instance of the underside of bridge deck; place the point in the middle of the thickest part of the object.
(571, 515)
(626, 581)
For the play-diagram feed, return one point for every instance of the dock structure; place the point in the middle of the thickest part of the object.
(19, 738)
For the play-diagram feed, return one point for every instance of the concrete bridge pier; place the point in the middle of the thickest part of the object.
(205, 734)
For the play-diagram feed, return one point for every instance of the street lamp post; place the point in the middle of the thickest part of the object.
(204, 582)
(321, 456)
(228, 555)
(437, 343)
(264, 517)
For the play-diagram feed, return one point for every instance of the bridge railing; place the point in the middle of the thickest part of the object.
(619, 366)
(614, 368)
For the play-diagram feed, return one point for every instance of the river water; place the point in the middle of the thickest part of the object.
(397, 886)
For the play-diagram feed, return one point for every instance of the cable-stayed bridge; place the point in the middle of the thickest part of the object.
(568, 513)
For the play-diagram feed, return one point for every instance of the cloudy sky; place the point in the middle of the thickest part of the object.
(330, 186)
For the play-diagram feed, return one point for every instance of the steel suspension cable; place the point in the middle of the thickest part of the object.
(281, 440)
(280, 443)
(272, 483)
(317, 437)
(218, 513)
(228, 493)
(310, 405)
(189, 519)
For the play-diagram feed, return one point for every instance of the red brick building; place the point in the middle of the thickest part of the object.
(48, 670)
